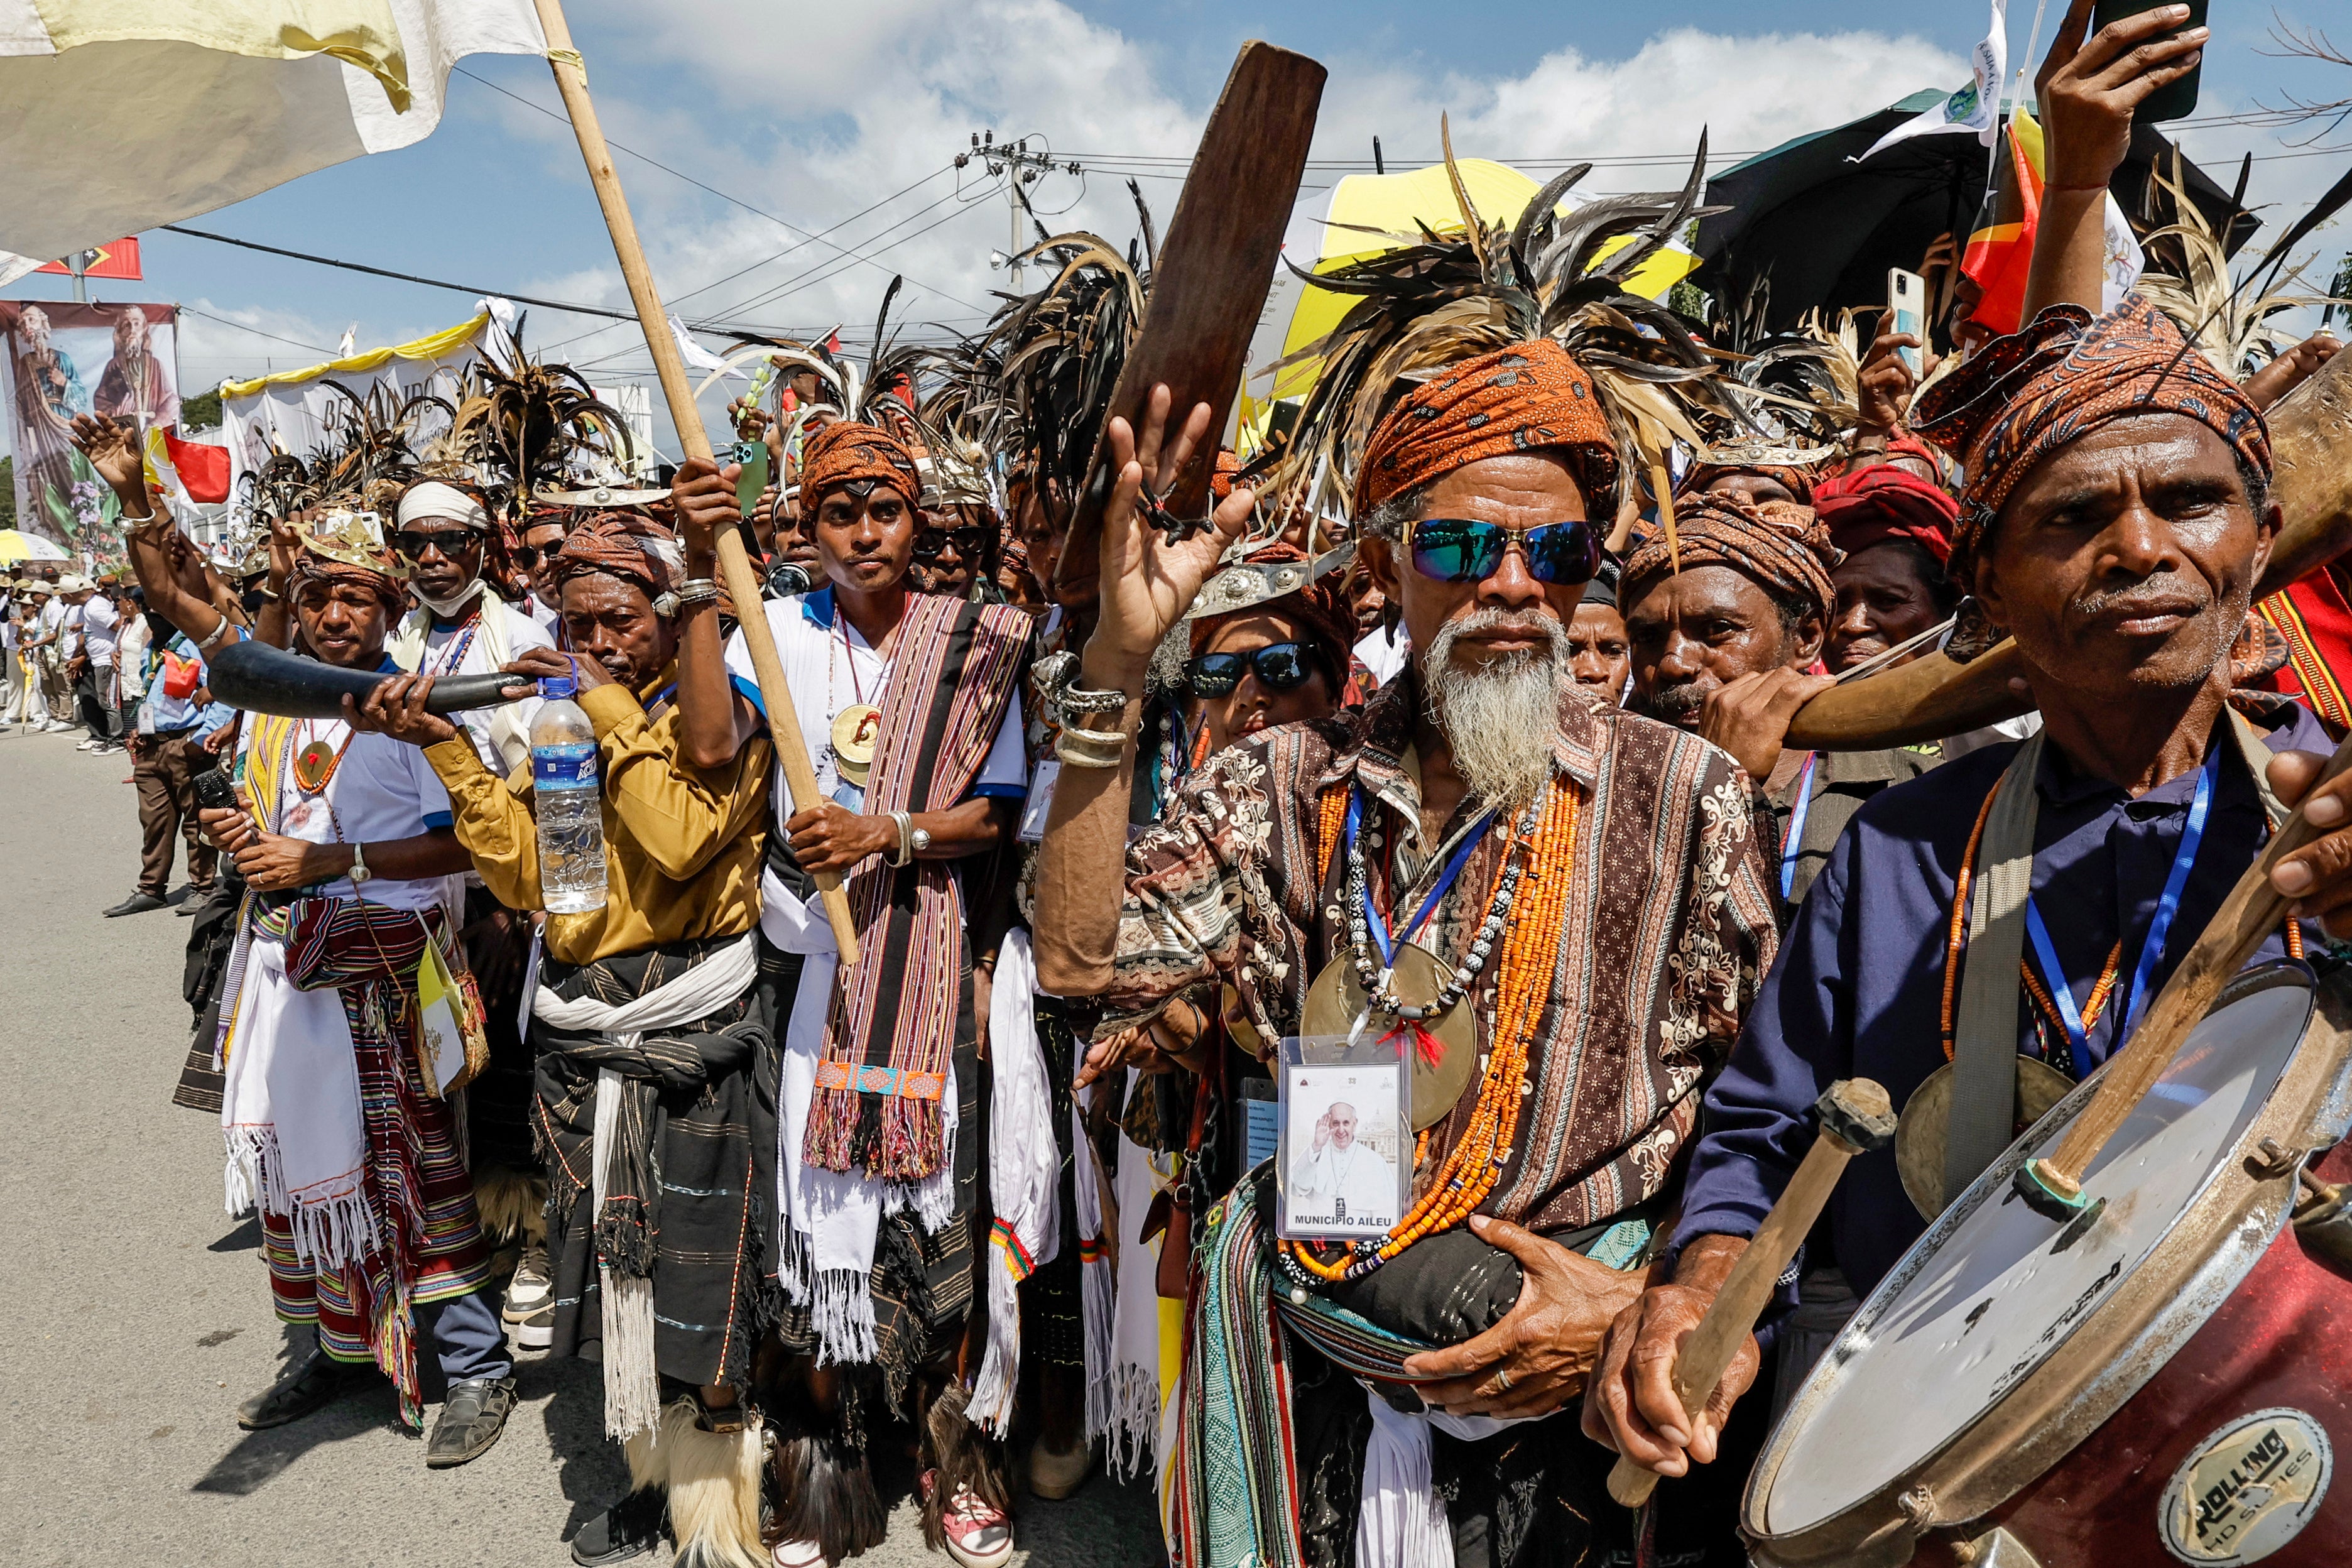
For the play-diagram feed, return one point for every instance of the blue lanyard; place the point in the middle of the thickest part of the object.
(1795, 838)
(2151, 951)
(1373, 920)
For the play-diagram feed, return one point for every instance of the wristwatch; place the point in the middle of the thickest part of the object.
(359, 872)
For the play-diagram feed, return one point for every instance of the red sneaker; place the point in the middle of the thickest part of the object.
(979, 1536)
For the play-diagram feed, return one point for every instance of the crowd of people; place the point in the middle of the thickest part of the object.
(1491, 760)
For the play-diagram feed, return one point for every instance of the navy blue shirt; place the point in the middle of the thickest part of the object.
(1857, 989)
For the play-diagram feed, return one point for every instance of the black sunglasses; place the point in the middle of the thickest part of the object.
(933, 542)
(530, 555)
(1463, 549)
(413, 543)
(1280, 667)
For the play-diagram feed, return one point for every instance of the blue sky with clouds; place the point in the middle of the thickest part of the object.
(811, 115)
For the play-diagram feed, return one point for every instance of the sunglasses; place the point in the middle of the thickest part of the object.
(413, 543)
(1462, 549)
(530, 555)
(933, 542)
(1280, 667)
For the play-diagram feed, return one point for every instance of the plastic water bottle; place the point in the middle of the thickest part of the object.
(571, 802)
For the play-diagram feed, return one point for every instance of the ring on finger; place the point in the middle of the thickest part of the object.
(1502, 1379)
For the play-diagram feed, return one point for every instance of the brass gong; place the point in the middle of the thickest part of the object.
(1336, 1000)
(1925, 1131)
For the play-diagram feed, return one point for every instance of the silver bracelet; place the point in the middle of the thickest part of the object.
(1058, 674)
(906, 827)
(697, 591)
(214, 635)
(1091, 747)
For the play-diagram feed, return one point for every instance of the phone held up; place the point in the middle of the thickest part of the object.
(2175, 99)
(1907, 311)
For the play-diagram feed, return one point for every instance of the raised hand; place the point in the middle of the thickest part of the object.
(396, 708)
(111, 446)
(1148, 583)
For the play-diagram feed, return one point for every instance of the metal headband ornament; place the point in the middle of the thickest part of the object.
(601, 496)
(1247, 583)
(1763, 455)
(351, 538)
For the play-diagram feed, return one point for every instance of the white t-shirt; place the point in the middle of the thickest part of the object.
(383, 789)
(131, 654)
(445, 656)
(99, 632)
(830, 667)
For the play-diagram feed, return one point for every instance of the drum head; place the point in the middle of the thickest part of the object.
(1985, 1299)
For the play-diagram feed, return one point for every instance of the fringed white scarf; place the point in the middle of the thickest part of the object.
(290, 1109)
(1131, 1393)
(1023, 1164)
(632, 1375)
(832, 1218)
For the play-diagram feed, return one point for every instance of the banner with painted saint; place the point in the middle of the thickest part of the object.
(58, 359)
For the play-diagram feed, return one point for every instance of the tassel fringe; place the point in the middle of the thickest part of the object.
(714, 1487)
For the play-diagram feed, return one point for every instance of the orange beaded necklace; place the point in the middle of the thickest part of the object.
(1529, 952)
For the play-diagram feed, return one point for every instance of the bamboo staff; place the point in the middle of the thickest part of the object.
(743, 587)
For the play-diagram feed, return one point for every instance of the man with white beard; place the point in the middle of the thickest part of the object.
(1591, 886)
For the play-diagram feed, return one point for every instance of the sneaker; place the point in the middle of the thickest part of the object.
(472, 1416)
(535, 1333)
(316, 1382)
(89, 746)
(531, 1288)
(59, 727)
(979, 1536)
(797, 1554)
(630, 1527)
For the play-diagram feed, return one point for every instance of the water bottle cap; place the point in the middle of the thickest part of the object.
(561, 685)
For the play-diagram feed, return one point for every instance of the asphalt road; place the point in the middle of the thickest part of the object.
(134, 1313)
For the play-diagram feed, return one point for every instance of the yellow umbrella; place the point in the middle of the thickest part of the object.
(1401, 204)
(18, 545)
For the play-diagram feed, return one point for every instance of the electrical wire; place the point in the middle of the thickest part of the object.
(257, 332)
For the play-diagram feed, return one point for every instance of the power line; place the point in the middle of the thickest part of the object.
(257, 332)
(722, 196)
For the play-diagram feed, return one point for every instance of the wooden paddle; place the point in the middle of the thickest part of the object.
(1209, 280)
(1207, 290)
(2054, 1184)
(1855, 1115)
(2311, 442)
(742, 584)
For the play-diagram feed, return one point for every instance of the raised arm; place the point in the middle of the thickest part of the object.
(164, 560)
(2088, 91)
(713, 721)
(1148, 584)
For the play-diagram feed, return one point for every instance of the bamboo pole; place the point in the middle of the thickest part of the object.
(743, 587)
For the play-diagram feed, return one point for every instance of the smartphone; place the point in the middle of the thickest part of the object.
(753, 455)
(1907, 311)
(2175, 99)
(213, 790)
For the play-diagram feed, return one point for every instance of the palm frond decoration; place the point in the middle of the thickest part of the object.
(2188, 279)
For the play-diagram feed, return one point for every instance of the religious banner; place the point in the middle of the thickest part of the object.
(64, 359)
(290, 414)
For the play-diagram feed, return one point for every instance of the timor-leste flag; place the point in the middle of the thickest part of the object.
(2000, 251)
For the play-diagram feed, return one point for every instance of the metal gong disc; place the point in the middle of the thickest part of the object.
(1924, 1132)
(1336, 1000)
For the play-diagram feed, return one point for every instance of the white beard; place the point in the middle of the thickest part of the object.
(1498, 718)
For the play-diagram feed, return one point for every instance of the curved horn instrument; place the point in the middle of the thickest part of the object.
(264, 679)
(2311, 440)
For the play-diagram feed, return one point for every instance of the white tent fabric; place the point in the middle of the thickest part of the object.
(119, 115)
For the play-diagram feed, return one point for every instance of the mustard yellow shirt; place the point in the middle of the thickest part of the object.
(682, 844)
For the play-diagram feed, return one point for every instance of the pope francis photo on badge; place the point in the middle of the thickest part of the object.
(1341, 1149)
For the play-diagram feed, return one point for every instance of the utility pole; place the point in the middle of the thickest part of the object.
(1021, 164)
(80, 264)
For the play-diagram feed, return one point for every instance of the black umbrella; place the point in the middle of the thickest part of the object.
(1815, 228)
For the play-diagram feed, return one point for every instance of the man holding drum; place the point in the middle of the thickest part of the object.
(2115, 515)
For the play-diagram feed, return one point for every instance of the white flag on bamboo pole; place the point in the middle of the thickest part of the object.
(119, 115)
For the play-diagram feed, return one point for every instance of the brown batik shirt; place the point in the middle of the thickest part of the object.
(1668, 929)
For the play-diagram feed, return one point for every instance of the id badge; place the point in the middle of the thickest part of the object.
(1343, 1157)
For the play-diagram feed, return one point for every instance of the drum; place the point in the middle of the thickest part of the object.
(2173, 1383)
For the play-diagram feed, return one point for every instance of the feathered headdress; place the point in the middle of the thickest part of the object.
(1439, 299)
(1044, 370)
(519, 432)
